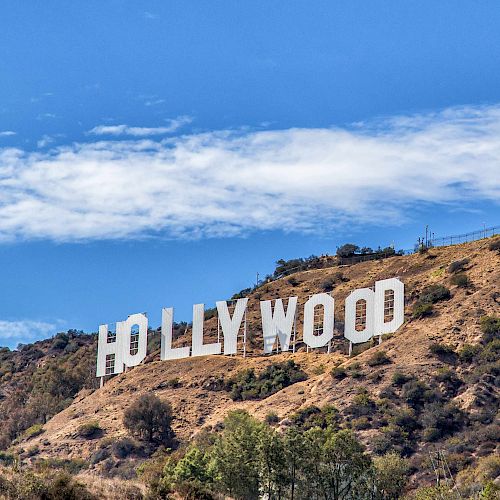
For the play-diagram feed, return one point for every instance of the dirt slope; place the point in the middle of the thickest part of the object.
(455, 322)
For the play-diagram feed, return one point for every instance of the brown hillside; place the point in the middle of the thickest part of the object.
(454, 322)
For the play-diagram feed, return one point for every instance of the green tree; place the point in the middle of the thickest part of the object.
(391, 473)
(235, 462)
(339, 469)
(273, 464)
(150, 418)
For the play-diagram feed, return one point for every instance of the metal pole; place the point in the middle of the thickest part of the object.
(245, 336)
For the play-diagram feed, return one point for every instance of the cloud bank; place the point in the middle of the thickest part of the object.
(227, 183)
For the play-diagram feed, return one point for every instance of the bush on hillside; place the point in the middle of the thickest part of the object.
(458, 265)
(441, 420)
(150, 418)
(338, 373)
(461, 280)
(468, 353)
(495, 245)
(490, 327)
(379, 358)
(399, 379)
(422, 310)
(89, 430)
(442, 351)
(434, 293)
(247, 385)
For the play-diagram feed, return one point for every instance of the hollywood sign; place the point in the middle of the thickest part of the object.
(368, 313)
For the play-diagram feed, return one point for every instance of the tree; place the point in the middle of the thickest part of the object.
(235, 462)
(338, 468)
(273, 461)
(150, 418)
(391, 476)
(347, 250)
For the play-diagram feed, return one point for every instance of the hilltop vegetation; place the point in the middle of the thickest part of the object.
(237, 426)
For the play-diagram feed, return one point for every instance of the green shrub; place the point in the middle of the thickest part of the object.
(421, 310)
(458, 265)
(461, 280)
(89, 430)
(468, 352)
(272, 418)
(150, 418)
(399, 379)
(247, 385)
(441, 420)
(491, 351)
(434, 293)
(293, 281)
(312, 416)
(490, 326)
(379, 358)
(33, 431)
(339, 373)
(441, 350)
(416, 393)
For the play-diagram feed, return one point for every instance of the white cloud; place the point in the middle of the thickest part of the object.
(173, 125)
(25, 330)
(7, 133)
(227, 183)
(45, 141)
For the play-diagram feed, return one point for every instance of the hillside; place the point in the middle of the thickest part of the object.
(367, 391)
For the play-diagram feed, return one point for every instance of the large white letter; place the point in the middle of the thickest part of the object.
(278, 324)
(124, 330)
(167, 352)
(107, 348)
(198, 347)
(231, 326)
(350, 332)
(397, 309)
(328, 303)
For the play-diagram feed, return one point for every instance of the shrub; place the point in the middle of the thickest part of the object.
(328, 285)
(33, 431)
(441, 350)
(89, 430)
(123, 447)
(312, 416)
(458, 265)
(434, 293)
(441, 420)
(379, 358)
(468, 352)
(293, 281)
(272, 418)
(399, 379)
(422, 310)
(491, 351)
(150, 418)
(361, 404)
(347, 250)
(461, 280)
(490, 326)
(416, 393)
(339, 373)
(247, 385)
(495, 245)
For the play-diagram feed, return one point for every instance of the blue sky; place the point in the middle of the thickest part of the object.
(161, 153)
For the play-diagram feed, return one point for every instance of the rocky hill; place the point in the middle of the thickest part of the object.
(440, 369)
